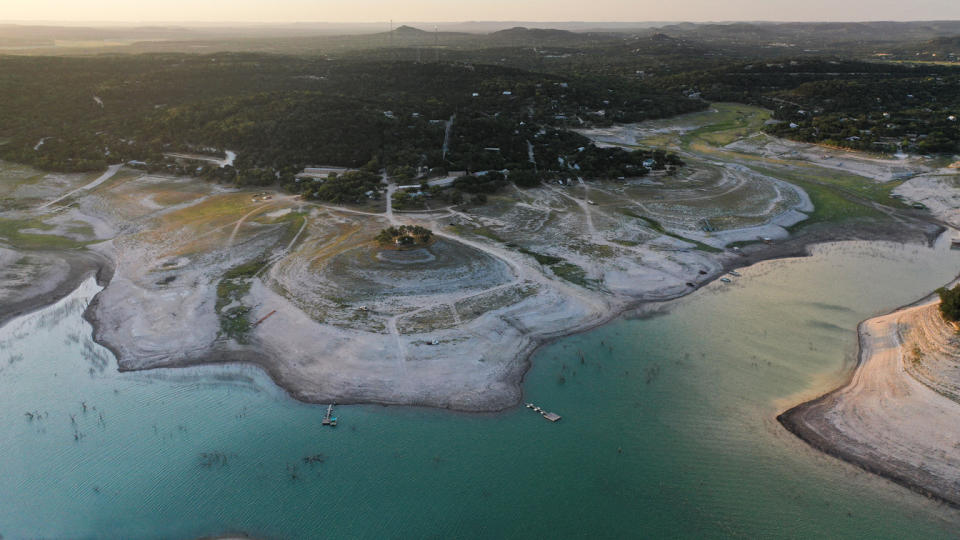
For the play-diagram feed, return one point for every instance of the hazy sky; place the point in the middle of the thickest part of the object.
(477, 10)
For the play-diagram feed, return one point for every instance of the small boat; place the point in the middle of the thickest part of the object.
(734, 273)
(725, 280)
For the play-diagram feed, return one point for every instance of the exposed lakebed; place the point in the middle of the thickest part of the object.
(668, 430)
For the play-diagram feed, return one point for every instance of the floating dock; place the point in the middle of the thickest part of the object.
(553, 417)
(329, 419)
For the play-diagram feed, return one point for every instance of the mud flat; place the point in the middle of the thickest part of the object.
(884, 419)
(939, 191)
(33, 280)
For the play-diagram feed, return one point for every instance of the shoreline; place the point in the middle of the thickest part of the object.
(797, 246)
(806, 421)
(83, 264)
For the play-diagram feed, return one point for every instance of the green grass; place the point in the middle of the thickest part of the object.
(235, 323)
(235, 284)
(832, 196)
(731, 122)
(846, 182)
(572, 273)
(657, 226)
(831, 207)
(247, 270)
(295, 221)
(545, 260)
(12, 231)
(479, 231)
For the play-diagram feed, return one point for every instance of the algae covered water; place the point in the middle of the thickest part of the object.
(668, 430)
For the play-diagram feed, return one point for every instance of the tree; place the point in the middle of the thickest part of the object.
(950, 303)
(405, 235)
(524, 178)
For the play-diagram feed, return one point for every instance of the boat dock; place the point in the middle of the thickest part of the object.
(553, 417)
(329, 419)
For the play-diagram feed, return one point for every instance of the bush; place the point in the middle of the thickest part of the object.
(405, 235)
(348, 187)
(950, 303)
(490, 182)
(524, 178)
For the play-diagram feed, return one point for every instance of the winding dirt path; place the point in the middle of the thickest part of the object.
(110, 173)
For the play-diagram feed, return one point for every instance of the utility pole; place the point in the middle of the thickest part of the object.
(436, 42)
(393, 52)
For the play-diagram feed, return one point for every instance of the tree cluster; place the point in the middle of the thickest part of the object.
(405, 235)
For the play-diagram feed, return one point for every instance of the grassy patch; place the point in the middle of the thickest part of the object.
(479, 231)
(833, 199)
(731, 122)
(657, 226)
(12, 231)
(218, 210)
(235, 323)
(572, 273)
(173, 197)
(295, 221)
(247, 270)
(235, 284)
(846, 182)
(545, 260)
(831, 207)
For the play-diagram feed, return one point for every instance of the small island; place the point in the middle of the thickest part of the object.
(405, 236)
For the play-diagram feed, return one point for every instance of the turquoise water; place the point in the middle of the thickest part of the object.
(668, 431)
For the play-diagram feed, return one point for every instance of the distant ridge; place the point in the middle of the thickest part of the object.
(410, 31)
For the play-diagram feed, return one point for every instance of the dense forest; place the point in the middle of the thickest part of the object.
(414, 102)
(869, 106)
(281, 114)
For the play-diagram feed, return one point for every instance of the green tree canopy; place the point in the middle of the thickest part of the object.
(950, 303)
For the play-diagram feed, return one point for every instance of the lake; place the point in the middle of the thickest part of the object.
(668, 430)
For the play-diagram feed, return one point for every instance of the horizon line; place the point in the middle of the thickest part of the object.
(53, 22)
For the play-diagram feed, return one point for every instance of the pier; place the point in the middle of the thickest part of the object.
(553, 417)
(329, 419)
